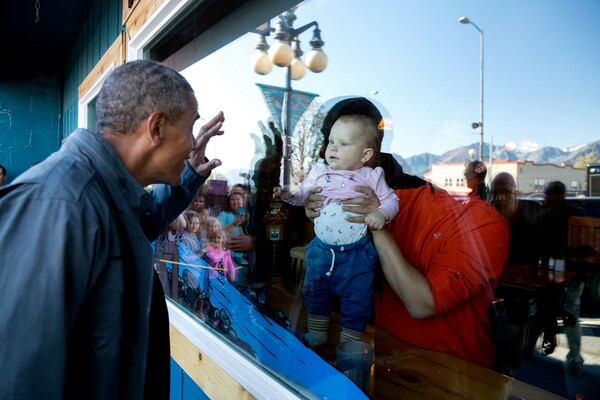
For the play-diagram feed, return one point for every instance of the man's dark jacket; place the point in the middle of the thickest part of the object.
(77, 287)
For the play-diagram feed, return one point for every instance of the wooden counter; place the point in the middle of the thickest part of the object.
(404, 371)
(531, 277)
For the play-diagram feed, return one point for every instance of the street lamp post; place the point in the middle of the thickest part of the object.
(465, 20)
(282, 54)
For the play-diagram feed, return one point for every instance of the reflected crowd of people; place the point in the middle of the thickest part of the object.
(219, 233)
(539, 233)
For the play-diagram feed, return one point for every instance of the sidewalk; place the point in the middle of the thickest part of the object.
(549, 373)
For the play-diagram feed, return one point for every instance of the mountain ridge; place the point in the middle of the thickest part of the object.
(420, 164)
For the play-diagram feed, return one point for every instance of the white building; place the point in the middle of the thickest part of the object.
(530, 177)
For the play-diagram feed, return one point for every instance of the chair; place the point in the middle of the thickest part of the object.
(298, 268)
(584, 251)
(584, 239)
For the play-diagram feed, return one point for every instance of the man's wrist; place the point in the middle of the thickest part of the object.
(191, 178)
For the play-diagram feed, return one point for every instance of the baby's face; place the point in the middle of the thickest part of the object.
(346, 147)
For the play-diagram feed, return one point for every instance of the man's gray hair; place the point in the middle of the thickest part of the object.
(136, 89)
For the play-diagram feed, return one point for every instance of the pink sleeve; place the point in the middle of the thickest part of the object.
(387, 198)
(301, 191)
(209, 256)
(228, 265)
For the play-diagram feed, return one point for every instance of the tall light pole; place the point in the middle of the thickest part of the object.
(465, 20)
(285, 52)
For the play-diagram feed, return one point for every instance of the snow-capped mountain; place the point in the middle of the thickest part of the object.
(421, 164)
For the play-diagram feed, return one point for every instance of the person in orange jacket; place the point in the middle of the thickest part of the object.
(441, 259)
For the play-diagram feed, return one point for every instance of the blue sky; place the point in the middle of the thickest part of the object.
(541, 70)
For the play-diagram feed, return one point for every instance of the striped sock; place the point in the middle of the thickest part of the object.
(349, 334)
(318, 327)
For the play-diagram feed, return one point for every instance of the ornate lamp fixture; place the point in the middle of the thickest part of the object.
(286, 53)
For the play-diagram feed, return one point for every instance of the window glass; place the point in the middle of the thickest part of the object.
(421, 67)
(252, 295)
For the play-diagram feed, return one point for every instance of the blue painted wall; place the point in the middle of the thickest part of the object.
(39, 109)
(182, 386)
(30, 120)
(100, 31)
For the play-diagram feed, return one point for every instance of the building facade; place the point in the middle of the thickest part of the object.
(531, 177)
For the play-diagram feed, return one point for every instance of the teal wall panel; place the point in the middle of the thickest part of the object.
(103, 31)
(98, 33)
(182, 386)
(30, 121)
(39, 109)
(191, 391)
(176, 381)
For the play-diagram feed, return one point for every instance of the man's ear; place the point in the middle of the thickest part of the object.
(154, 125)
(367, 155)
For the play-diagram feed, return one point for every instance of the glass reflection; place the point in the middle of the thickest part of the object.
(424, 74)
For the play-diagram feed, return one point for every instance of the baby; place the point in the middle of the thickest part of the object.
(341, 258)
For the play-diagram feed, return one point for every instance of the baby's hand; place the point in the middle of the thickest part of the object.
(376, 220)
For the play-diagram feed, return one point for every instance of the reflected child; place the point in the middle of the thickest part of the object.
(211, 225)
(192, 238)
(218, 256)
